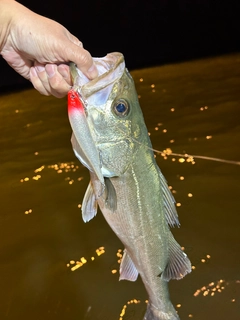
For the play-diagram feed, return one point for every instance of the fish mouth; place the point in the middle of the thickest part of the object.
(94, 92)
(110, 68)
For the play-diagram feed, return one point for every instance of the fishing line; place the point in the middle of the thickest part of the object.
(186, 155)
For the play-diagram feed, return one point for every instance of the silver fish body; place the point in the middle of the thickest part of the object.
(135, 200)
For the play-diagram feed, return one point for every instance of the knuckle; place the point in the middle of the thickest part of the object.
(82, 58)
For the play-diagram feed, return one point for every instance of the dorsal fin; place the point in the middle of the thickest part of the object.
(128, 271)
(178, 263)
(169, 203)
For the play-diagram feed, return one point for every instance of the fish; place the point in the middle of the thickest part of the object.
(111, 140)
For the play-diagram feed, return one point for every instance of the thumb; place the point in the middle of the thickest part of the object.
(82, 58)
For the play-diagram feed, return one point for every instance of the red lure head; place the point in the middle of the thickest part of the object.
(74, 101)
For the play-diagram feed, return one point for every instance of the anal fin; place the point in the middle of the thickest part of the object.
(178, 263)
(128, 271)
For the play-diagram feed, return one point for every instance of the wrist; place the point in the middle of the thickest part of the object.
(6, 15)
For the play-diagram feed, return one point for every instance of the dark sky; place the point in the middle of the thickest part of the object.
(149, 32)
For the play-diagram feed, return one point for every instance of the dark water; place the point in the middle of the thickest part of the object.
(191, 108)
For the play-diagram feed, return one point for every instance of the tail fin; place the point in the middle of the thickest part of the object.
(154, 314)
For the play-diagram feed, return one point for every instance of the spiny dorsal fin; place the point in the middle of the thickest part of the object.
(128, 271)
(89, 205)
(111, 196)
(178, 263)
(169, 203)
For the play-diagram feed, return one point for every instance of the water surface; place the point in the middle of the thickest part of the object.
(54, 266)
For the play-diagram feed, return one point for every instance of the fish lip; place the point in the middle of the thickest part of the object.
(87, 87)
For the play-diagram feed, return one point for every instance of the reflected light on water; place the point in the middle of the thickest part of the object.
(28, 211)
(119, 255)
(59, 168)
(134, 302)
(191, 158)
(39, 169)
(130, 302)
(114, 271)
(76, 264)
(37, 177)
(181, 160)
(203, 108)
(64, 167)
(203, 260)
(214, 287)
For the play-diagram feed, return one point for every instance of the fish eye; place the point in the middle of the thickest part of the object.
(121, 108)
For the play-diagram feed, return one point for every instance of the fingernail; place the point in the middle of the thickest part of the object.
(92, 72)
(40, 68)
(51, 70)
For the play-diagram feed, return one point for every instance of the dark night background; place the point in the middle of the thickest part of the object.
(147, 32)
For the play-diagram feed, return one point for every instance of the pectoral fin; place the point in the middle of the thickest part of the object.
(89, 205)
(178, 263)
(111, 196)
(128, 271)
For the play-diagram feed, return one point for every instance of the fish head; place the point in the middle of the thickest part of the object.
(113, 113)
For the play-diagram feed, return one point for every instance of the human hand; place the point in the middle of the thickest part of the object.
(40, 49)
